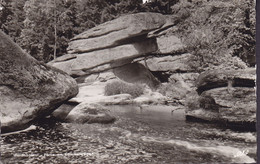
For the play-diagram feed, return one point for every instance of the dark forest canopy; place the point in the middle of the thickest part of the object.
(43, 26)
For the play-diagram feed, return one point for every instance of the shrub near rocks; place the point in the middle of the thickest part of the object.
(120, 87)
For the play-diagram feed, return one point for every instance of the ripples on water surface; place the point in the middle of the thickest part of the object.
(151, 135)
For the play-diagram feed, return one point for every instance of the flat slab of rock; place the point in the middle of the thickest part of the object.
(169, 63)
(219, 78)
(113, 33)
(89, 113)
(28, 89)
(83, 62)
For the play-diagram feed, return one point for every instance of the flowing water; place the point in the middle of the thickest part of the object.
(153, 134)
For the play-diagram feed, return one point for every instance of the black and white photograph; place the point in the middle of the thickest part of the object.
(128, 81)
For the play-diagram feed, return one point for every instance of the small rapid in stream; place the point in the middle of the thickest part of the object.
(153, 134)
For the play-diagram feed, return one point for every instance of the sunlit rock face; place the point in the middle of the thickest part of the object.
(28, 89)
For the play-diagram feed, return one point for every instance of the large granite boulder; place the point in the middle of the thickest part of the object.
(28, 89)
(225, 96)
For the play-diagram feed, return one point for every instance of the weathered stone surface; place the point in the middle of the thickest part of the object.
(220, 78)
(136, 73)
(94, 59)
(89, 113)
(169, 63)
(113, 33)
(169, 44)
(28, 88)
(227, 97)
(236, 105)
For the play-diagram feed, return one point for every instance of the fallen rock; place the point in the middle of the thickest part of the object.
(28, 89)
(89, 113)
(113, 33)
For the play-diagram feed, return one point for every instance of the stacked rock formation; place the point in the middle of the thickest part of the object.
(118, 44)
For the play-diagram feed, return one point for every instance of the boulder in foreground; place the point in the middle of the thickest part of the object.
(28, 89)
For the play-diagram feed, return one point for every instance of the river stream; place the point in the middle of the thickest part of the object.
(153, 134)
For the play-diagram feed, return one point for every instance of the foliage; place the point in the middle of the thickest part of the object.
(120, 87)
(216, 31)
(11, 17)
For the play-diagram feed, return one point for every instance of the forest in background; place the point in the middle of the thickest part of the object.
(43, 28)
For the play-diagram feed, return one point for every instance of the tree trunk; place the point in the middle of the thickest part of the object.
(55, 30)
